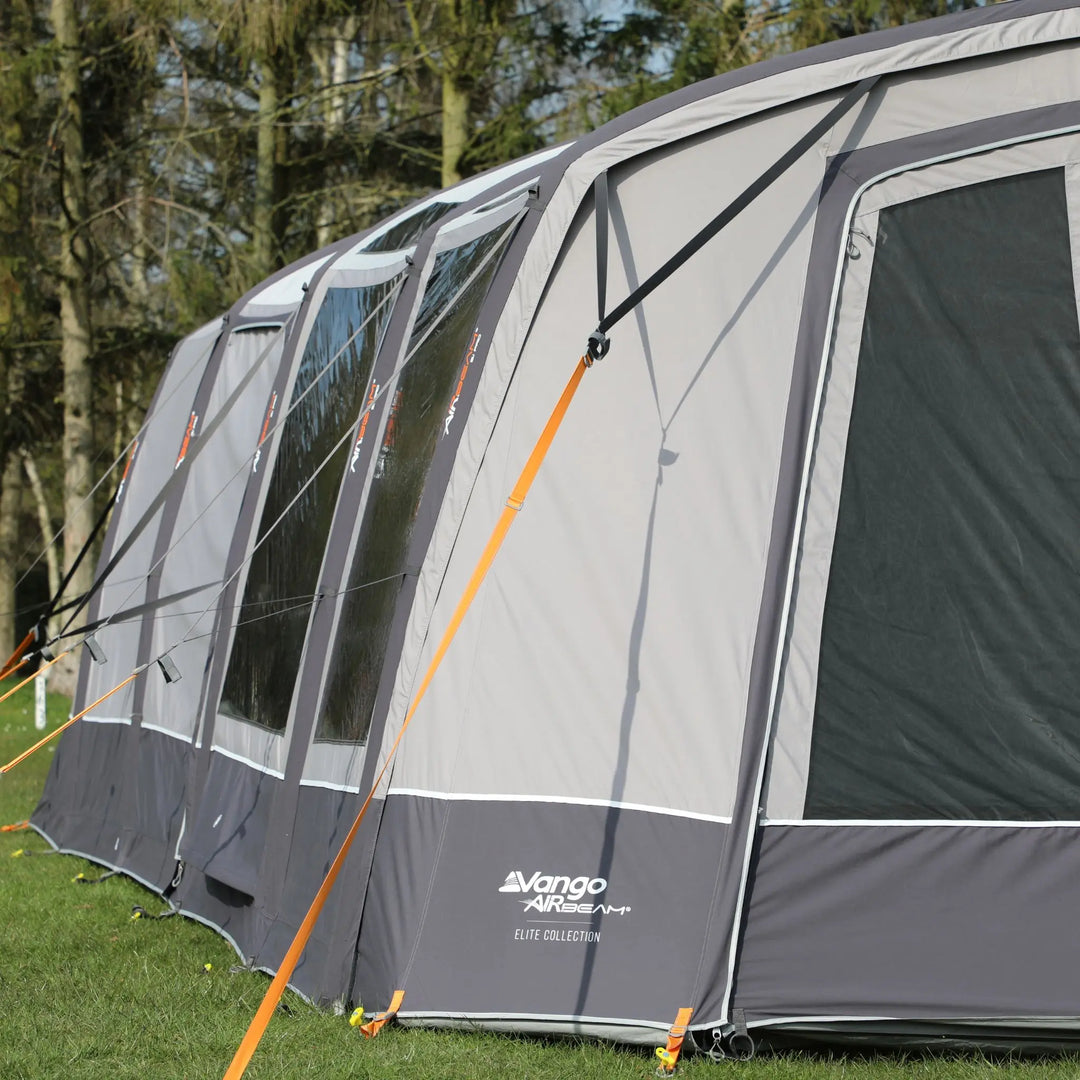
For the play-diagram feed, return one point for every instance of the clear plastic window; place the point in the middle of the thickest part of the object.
(419, 407)
(406, 231)
(284, 570)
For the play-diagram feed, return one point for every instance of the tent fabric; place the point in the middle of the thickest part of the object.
(765, 704)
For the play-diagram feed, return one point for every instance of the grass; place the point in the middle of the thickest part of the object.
(87, 992)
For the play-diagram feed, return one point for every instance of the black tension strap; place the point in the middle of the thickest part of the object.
(38, 634)
(102, 518)
(598, 341)
(135, 612)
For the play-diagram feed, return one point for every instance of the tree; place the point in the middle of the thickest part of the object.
(503, 70)
(74, 271)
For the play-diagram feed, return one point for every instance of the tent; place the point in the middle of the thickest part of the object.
(767, 707)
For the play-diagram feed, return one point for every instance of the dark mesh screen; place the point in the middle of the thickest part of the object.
(284, 570)
(949, 680)
(419, 408)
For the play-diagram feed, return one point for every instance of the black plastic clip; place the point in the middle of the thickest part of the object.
(597, 349)
(169, 669)
(41, 639)
(93, 647)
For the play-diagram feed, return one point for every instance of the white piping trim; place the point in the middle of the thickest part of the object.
(929, 1018)
(206, 921)
(845, 1019)
(1072, 212)
(91, 719)
(246, 960)
(554, 1017)
(352, 789)
(97, 860)
(804, 489)
(231, 754)
(162, 730)
(462, 796)
(921, 823)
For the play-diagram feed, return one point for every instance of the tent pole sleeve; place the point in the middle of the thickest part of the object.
(514, 503)
(738, 204)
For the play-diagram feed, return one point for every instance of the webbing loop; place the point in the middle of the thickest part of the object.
(373, 1027)
(261, 1019)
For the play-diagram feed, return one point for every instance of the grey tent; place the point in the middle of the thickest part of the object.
(770, 705)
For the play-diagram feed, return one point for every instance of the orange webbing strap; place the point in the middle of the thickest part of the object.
(669, 1055)
(13, 660)
(63, 727)
(269, 1003)
(373, 1027)
(30, 678)
(17, 826)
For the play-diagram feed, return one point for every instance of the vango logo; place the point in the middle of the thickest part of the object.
(559, 893)
(564, 885)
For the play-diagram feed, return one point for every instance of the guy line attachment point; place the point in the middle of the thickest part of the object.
(597, 349)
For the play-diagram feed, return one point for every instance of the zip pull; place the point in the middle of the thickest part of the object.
(852, 248)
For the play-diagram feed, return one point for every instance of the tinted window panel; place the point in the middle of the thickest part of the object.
(283, 574)
(407, 231)
(418, 410)
(949, 679)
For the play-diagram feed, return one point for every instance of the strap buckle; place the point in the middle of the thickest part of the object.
(597, 349)
(668, 1056)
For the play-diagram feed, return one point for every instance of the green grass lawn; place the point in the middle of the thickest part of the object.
(85, 991)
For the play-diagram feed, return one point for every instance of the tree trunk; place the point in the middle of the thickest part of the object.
(271, 158)
(45, 525)
(265, 169)
(10, 497)
(455, 126)
(74, 312)
(335, 71)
